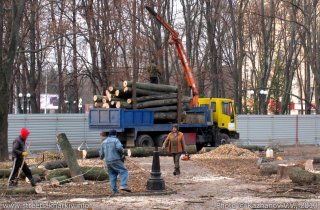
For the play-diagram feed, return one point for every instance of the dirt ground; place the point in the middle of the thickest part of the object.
(220, 183)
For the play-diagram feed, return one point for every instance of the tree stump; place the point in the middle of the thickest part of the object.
(70, 157)
(283, 170)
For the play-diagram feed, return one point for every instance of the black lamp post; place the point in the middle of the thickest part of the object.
(155, 182)
(28, 103)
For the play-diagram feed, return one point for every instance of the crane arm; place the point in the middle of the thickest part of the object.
(181, 54)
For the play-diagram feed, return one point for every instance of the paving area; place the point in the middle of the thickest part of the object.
(203, 184)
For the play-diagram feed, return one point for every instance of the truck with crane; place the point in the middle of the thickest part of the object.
(210, 121)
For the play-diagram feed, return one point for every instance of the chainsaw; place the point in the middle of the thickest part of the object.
(185, 156)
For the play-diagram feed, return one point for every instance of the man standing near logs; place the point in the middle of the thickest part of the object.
(153, 72)
(111, 151)
(19, 154)
(176, 145)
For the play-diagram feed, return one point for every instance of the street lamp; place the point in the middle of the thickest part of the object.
(28, 102)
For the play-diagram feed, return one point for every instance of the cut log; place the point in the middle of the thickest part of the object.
(23, 190)
(40, 171)
(162, 102)
(5, 173)
(55, 164)
(98, 98)
(57, 172)
(165, 116)
(300, 176)
(90, 153)
(267, 169)
(124, 105)
(252, 147)
(106, 106)
(121, 93)
(150, 86)
(148, 151)
(89, 173)
(70, 157)
(163, 108)
(60, 180)
(36, 178)
(142, 92)
(94, 173)
(156, 97)
(98, 105)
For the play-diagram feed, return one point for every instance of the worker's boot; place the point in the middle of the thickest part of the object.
(32, 182)
(12, 183)
(178, 171)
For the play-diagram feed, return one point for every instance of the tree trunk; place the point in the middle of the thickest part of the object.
(57, 172)
(156, 97)
(89, 173)
(150, 86)
(300, 176)
(70, 157)
(23, 190)
(59, 180)
(268, 169)
(163, 102)
(5, 173)
(55, 164)
(94, 173)
(165, 115)
(6, 71)
(125, 105)
(148, 151)
(91, 153)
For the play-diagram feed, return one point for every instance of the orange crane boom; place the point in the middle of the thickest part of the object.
(174, 36)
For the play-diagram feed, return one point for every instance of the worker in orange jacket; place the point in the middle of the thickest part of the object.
(176, 146)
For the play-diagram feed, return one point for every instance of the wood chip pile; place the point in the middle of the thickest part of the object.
(227, 151)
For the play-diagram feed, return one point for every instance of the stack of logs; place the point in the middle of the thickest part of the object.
(162, 99)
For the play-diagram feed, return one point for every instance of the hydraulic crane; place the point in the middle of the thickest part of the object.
(174, 36)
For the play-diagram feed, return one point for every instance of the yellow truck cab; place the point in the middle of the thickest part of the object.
(223, 116)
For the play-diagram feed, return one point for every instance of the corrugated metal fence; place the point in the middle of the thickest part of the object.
(254, 129)
(44, 128)
(279, 129)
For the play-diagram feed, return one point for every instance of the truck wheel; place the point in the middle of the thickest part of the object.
(144, 141)
(160, 139)
(223, 139)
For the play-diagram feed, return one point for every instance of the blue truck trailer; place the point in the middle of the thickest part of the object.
(136, 127)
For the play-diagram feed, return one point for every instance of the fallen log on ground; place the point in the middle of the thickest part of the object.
(267, 169)
(55, 164)
(40, 171)
(70, 157)
(90, 153)
(301, 177)
(148, 151)
(150, 86)
(23, 190)
(89, 173)
(5, 173)
(57, 172)
(59, 180)
(94, 173)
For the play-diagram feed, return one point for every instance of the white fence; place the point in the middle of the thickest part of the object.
(254, 129)
(279, 129)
